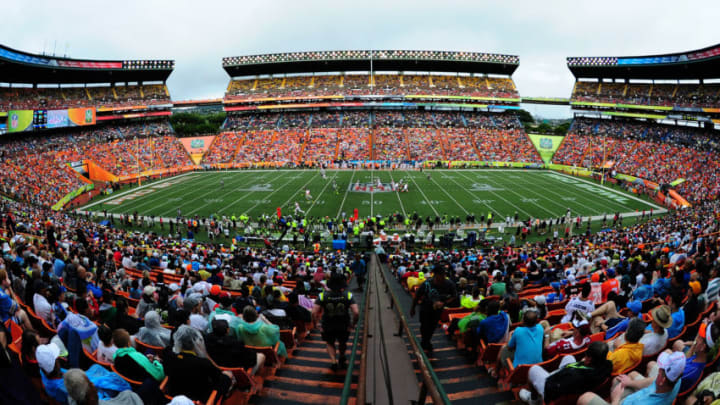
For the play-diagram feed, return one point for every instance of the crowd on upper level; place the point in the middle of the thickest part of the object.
(365, 85)
(58, 98)
(658, 94)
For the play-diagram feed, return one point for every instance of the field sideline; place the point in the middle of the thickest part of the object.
(531, 193)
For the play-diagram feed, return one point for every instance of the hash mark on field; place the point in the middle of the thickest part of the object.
(451, 197)
(423, 194)
(346, 194)
(402, 207)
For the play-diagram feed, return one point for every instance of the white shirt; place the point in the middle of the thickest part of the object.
(43, 309)
(105, 353)
(653, 342)
(576, 304)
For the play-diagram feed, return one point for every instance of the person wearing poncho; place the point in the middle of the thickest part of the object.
(256, 330)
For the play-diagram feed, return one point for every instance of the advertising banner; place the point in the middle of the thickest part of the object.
(82, 116)
(197, 146)
(546, 145)
(19, 120)
(57, 119)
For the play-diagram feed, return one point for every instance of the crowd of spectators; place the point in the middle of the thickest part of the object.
(638, 307)
(655, 152)
(36, 169)
(27, 98)
(660, 94)
(363, 85)
(199, 307)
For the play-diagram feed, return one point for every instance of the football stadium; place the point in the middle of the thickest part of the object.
(359, 227)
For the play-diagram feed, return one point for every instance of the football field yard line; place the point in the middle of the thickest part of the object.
(302, 189)
(152, 199)
(451, 197)
(579, 193)
(246, 195)
(397, 193)
(502, 198)
(254, 181)
(372, 192)
(114, 196)
(342, 204)
(530, 188)
(540, 206)
(632, 197)
(421, 192)
(315, 200)
(199, 207)
(474, 196)
(281, 188)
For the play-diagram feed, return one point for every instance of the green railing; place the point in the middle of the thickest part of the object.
(360, 327)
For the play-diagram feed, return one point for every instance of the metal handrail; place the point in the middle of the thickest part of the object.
(431, 383)
(351, 363)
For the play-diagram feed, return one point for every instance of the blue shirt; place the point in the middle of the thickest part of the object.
(678, 323)
(691, 374)
(493, 327)
(643, 292)
(619, 327)
(55, 388)
(661, 287)
(59, 267)
(528, 345)
(553, 297)
(7, 306)
(648, 395)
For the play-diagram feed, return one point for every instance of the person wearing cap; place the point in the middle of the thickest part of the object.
(580, 338)
(556, 295)
(698, 353)
(50, 371)
(433, 295)
(635, 308)
(335, 307)
(147, 302)
(660, 387)
(655, 340)
(629, 353)
(571, 377)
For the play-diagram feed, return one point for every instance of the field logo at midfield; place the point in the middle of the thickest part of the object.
(149, 190)
(591, 188)
(483, 187)
(257, 187)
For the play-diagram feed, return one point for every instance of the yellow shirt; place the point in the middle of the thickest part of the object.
(625, 356)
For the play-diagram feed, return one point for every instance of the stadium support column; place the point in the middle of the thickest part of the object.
(602, 176)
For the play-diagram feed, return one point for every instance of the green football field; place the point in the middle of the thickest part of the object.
(530, 193)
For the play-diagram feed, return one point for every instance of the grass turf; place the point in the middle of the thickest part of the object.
(530, 193)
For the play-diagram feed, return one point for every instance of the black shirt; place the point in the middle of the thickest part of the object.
(227, 351)
(430, 292)
(194, 377)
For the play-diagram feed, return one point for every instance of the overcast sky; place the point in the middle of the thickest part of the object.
(197, 34)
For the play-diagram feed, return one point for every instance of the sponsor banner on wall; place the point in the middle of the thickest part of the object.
(197, 146)
(546, 145)
(19, 120)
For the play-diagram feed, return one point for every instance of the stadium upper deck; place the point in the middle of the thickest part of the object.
(29, 81)
(649, 81)
(353, 75)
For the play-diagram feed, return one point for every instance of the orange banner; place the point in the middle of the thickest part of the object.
(82, 116)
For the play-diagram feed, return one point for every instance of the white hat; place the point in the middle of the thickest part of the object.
(181, 400)
(539, 299)
(673, 364)
(149, 290)
(46, 356)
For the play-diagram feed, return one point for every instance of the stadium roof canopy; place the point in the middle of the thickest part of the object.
(388, 60)
(22, 67)
(699, 64)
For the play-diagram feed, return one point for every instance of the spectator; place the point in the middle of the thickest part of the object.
(628, 354)
(226, 351)
(572, 377)
(134, 365)
(190, 372)
(106, 348)
(256, 330)
(153, 333)
(494, 328)
(660, 387)
(81, 391)
(526, 344)
(580, 338)
(581, 303)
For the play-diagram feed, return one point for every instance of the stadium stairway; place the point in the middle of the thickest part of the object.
(463, 382)
(306, 377)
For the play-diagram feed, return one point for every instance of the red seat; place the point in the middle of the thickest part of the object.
(512, 376)
(145, 348)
